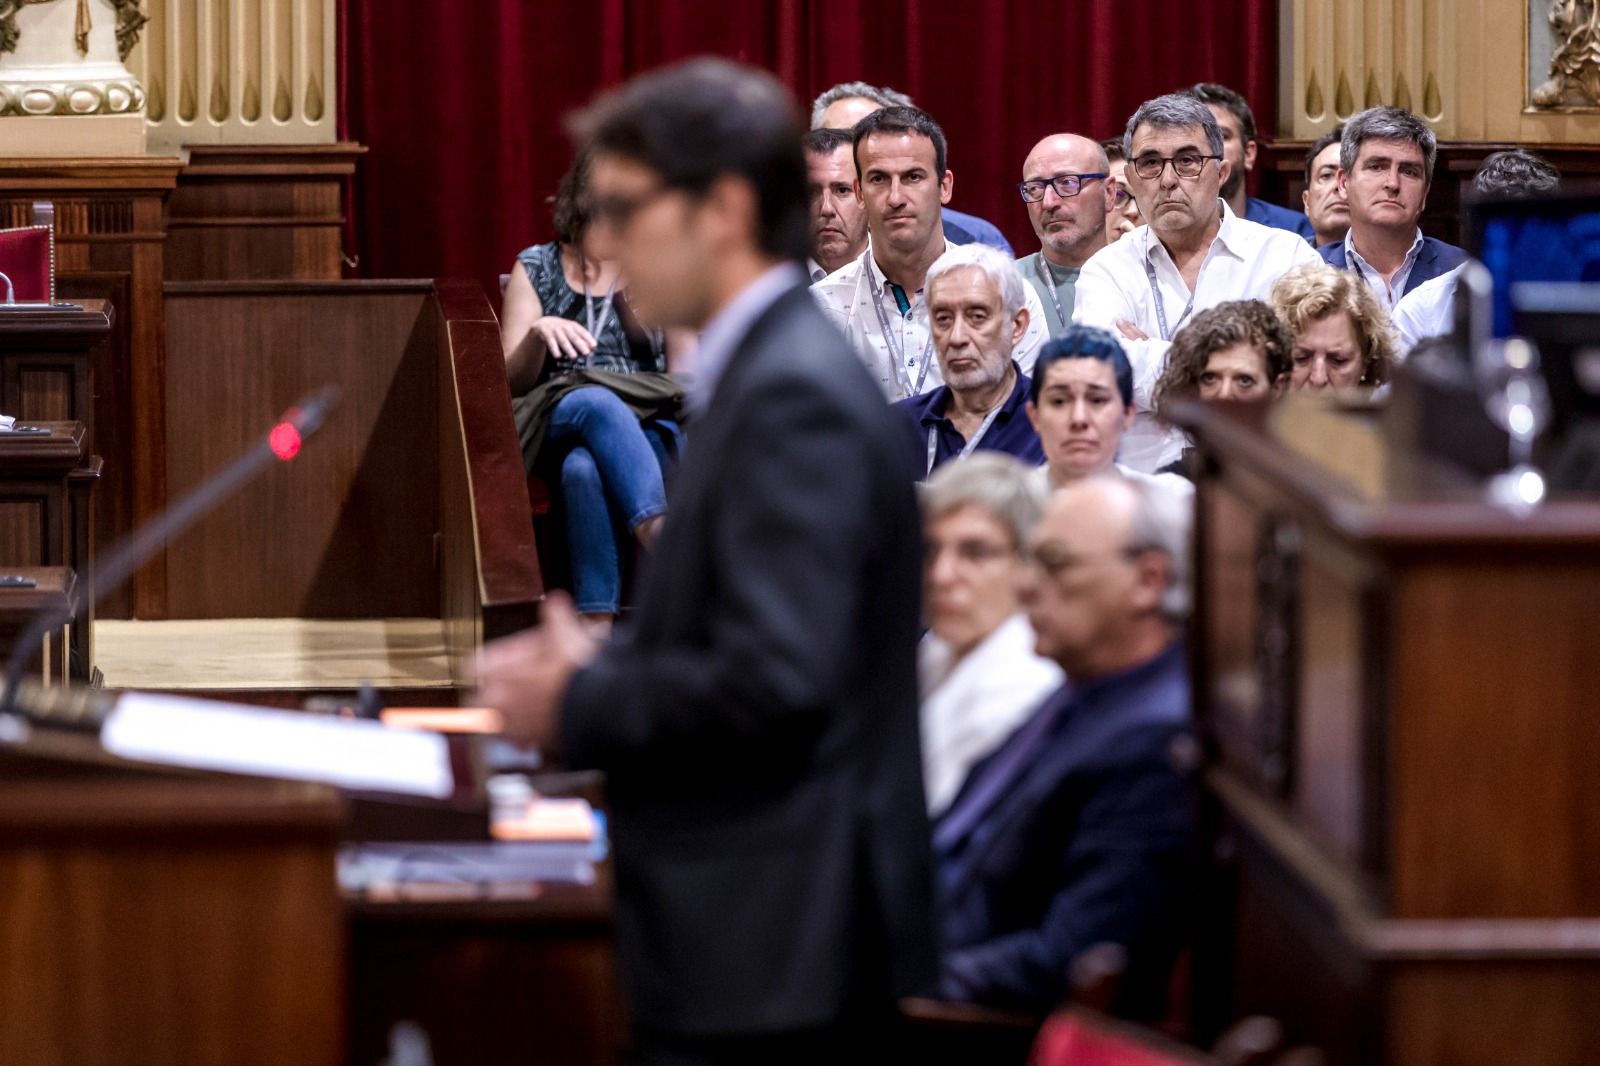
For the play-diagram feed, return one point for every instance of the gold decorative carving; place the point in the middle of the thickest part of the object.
(1575, 67)
(130, 20)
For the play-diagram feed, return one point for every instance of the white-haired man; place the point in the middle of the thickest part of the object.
(977, 311)
(1193, 253)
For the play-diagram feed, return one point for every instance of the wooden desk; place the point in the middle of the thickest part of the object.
(34, 511)
(55, 587)
(1397, 682)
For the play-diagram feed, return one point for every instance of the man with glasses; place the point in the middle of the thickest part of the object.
(877, 301)
(1194, 253)
(1065, 184)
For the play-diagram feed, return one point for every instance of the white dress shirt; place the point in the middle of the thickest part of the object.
(1426, 311)
(971, 706)
(1387, 292)
(904, 363)
(1129, 279)
(1176, 485)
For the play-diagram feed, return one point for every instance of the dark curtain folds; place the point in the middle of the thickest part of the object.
(461, 104)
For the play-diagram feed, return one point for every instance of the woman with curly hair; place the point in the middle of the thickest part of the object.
(1342, 336)
(1239, 350)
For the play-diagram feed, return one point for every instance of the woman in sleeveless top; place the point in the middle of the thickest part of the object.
(583, 373)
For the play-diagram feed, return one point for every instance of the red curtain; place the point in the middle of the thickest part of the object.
(461, 104)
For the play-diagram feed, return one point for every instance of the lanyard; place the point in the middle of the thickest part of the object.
(898, 349)
(1048, 279)
(966, 449)
(596, 323)
(1161, 310)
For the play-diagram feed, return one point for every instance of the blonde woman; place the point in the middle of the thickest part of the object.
(1342, 336)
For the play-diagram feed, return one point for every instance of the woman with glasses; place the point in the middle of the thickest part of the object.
(594, 406)
(978, 673)
(1124, 216)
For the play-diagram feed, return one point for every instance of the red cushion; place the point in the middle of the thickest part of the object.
(1069, 1040)
(27, 258)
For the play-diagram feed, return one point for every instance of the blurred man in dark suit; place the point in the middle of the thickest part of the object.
(758, 727)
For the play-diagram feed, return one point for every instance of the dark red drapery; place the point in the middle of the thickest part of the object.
(461, 104)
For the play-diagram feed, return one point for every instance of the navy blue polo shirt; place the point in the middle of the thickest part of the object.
(1010, 432)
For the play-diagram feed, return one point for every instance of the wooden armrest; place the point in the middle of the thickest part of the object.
(950, 1014)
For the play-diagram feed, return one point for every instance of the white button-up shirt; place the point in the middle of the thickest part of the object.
(1127, 280)
(1426, 311)
(904, 362)
(1387, 292)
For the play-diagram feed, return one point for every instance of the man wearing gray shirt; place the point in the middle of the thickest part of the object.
(1067, 194)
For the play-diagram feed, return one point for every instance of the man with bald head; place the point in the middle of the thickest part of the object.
(1066, 189)
(1075, 831)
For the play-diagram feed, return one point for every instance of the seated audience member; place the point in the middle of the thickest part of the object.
(1341, 332)
(877, 300)
(1385, 168)
(1239, 147)
(1429, 309)
(842, 106)
(583, 372)
(1076, 830)
(1324, 200)
(1081, 403)
(978, 672)
(1195, 253)
(1124, 216)
(1235, 352)
(977, 311)
(1066, 186)
(838, 224)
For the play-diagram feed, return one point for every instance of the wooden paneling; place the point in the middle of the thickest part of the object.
(260, 212)
(168, 920)
(347, 529)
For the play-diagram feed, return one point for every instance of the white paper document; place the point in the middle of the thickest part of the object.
(353, 754)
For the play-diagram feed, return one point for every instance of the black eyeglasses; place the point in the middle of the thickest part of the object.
(1065, 185)
(1184, 164)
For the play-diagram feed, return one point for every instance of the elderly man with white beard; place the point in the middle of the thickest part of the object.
(977, 315)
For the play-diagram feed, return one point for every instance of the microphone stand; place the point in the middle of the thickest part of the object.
(281, 444)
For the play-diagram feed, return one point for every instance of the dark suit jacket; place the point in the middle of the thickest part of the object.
(1088, 842)
(1434, 258)
(759, 726)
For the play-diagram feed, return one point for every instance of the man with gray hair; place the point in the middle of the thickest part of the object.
(847, 103)
(1193, 253)
(977, 314)
(1385, 169)
(1075, 831)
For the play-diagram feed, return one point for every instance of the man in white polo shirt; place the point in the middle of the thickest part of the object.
(1193, 253)
(877, 300)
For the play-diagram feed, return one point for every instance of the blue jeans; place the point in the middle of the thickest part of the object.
(611, 480)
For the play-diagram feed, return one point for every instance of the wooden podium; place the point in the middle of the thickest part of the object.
(1398, 682)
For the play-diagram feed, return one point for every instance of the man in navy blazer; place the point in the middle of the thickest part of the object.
(1385, 168)
(1076, 831)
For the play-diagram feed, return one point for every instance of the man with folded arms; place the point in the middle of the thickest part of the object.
(1194, 253)
(975, 303)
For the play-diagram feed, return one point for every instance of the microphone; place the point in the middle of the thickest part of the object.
(280, 444)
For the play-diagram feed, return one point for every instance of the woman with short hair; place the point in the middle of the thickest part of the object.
(1342, 338)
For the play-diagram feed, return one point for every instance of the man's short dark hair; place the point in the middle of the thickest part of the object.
(1515, 173)
(902, 120)
(1113, 150)
(1333, 136)
(825, 140)
(1388, 124)
(1210, 92)
(705, 119)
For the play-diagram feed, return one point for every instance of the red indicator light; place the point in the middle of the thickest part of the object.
(284, 440)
